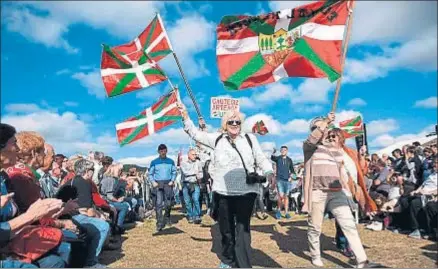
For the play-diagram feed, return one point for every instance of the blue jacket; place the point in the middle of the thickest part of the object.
(162, 170)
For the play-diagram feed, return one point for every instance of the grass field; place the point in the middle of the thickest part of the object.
(275, 244)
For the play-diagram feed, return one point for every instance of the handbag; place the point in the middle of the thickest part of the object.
(33, 242)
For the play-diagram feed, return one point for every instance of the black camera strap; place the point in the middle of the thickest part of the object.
(240, 155)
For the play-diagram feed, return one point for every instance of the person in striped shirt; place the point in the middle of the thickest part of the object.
(326, 188)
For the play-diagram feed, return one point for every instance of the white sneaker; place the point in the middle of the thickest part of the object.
(375, 226)
(317, 262)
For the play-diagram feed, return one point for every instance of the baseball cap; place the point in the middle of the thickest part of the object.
(161, 147)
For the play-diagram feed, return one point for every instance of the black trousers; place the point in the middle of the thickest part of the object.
(411, 206)
(432, 217)
(234, 216)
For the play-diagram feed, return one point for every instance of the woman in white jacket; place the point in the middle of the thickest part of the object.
(233, 197)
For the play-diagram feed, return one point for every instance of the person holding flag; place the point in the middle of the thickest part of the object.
(235, 157)
(326, 188)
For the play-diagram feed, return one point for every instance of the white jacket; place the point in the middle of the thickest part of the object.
(226, 168)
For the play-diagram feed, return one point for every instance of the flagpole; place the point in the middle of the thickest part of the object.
(347, 39)
(189, 90)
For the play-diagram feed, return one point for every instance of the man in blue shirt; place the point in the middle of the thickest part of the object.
(285, 171)
(162, 174)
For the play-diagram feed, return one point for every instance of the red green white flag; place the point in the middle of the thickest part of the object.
(154, 41)
(133, 66)
(302, 42)
(260, 128)
(162, 114)
(352, 127)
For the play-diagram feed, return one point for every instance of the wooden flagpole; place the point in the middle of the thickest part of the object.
(189, 90)
(347, 39)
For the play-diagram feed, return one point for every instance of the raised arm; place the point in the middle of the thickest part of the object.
(207, 139)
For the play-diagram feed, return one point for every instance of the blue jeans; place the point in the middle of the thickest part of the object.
(97, 230)
(15, 264)
(192, 200)
(122, 210)
(50, 261)
(283, 187)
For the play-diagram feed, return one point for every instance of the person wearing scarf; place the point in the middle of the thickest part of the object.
(327, 188)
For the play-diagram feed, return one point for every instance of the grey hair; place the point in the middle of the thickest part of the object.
(82, 166)
(314, 121)
(98, 155)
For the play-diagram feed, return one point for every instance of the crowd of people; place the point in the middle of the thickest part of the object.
(59, 205)
(54, 207)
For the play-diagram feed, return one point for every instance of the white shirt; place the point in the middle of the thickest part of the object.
(226, 169)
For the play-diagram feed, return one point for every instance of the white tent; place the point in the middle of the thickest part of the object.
(421, 139)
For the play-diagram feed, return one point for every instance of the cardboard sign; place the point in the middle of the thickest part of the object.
(219, 106)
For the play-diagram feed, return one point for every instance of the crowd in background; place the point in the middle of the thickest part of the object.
(58, 205)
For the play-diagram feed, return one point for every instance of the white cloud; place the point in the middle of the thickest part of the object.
(267, 146)
(295, 143)
(66, 132)
(310, 109)
(142, 161)
(63, 72)
(190, 35)
(386, 140)
(312, 91)
(71, 104)
(43, 30)
(247, 102)
(149, 94)
(22, 108)
(357, 102)
(92, 81)
(345, 115)
(376, 127)
(430, 102)
(280, 5)
(408, 19)
(274, 92)
(275, 127)
(298, 126)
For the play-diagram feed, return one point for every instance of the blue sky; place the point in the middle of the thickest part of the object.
(50, 80)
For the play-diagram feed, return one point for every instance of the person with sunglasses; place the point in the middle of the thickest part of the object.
(234, 159)
(324, 189)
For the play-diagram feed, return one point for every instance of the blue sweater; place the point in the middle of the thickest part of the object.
(162, 170)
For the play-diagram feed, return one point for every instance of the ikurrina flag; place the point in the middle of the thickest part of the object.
(302, 42)
(352, 127)
(133, 66)
(162, 114)
(260, 128)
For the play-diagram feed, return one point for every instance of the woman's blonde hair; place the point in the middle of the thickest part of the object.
(28, 141)
(229, 115)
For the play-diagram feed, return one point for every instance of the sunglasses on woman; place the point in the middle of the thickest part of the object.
(234, 122)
